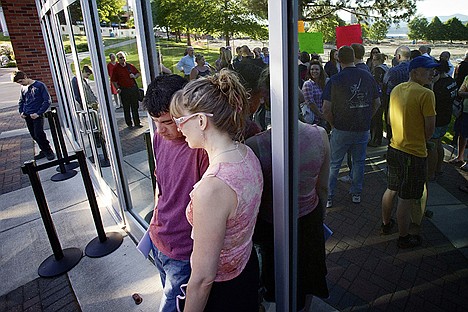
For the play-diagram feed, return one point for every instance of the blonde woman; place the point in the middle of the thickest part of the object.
(211, 114)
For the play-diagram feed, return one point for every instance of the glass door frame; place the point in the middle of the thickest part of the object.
(282, 17)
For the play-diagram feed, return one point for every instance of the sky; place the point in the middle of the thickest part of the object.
(431, 8)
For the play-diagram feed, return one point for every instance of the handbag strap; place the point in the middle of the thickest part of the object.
(134, 80)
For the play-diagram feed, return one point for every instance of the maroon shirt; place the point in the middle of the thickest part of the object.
(178, 168)
(121, 75)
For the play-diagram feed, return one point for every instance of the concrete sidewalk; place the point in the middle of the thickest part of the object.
(366, 271)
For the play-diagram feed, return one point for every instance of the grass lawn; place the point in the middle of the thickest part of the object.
(4, 39)
(171, 52)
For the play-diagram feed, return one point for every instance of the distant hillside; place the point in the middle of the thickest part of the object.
(461, 17)
(403, 27)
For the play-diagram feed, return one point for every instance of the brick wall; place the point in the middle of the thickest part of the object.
(26, 38)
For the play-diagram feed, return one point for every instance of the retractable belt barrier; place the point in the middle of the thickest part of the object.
(65, 169)
(64, 260)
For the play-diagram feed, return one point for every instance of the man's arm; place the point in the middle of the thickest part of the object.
(21, 104)
(135, 72)
(45, 100)
(375, 106)
(327, 111)
(76, 90)
(180, 64)
(114, 81)
(429, 126)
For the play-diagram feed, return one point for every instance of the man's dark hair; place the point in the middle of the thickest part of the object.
(346, 55)
(443, 66)
(414, 54)
(159, 93)
(19, 75)
(87, 69)
(304, 57)
(359, 50)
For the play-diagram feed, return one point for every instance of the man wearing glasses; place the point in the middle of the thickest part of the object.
(124, 79)
(178, 168)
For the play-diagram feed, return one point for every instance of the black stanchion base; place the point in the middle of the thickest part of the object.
(70, 166)
(96, 249)
(63, 176)
(51, 267)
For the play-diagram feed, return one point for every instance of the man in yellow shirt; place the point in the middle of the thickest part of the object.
(412, 118)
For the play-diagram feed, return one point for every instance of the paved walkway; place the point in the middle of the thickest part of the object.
(16, 147)
(369, 272)
(366, 271)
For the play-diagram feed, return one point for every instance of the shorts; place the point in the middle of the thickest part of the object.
(439, 132)
(407, 173)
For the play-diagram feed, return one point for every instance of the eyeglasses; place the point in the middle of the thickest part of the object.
(181, 120)
(121, 57)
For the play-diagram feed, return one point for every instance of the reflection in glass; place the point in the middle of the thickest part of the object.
(76, 40)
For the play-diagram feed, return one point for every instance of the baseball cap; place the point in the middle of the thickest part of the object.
(422, 61)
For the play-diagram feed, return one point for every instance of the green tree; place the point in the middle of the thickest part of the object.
(378, 30)
(327, 27)
(110, 10)
(313, 10)
(436, 30)
(230, 18)
(180, 16)
(225, 17)
(456, 30)
(418, 28)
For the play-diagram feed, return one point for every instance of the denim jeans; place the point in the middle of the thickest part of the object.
(355, 144)
(36, 130)
(173, 274)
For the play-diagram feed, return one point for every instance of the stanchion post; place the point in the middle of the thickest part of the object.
(53, 130)
(105, 243)
(88, 184)
(149, 152)
(62, 260)
(68, 165)
(28, 168)
(64, 173)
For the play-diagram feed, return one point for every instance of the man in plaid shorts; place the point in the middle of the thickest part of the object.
(412, 118)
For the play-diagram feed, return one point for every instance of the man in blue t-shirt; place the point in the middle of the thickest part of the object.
(350, 99)
(34, 101)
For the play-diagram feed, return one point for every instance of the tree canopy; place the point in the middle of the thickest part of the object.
(327, 27)
(453, 29)
(110, 10)
(388, 11)
(378, 30)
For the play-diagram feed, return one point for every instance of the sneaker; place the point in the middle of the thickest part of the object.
(329, 203)
(386, 229)
(50, 155)
(356, 198)
(345, 179)
(139, 126)
(409, 241)
(40, 155)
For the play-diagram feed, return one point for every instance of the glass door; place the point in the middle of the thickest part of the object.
(116, 151)
(86, 101)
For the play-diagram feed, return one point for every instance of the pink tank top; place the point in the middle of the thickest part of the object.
(245, 178)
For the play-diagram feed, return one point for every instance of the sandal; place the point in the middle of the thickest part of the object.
(456, 162)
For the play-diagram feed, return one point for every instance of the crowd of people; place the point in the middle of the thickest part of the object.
(213, 215)
(213, 129)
